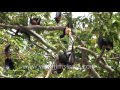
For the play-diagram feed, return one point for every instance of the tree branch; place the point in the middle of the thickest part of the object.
(33, 27)
(108, 68)
(101, 54)
(50, 70)
(100, 57)
(37, 36)
(42, 48)
(91, 69)
(85, 49)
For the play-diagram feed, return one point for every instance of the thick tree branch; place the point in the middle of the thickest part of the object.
(45, 27)
(36, 27)
(9, 26)
(33, 27)
(36, 35)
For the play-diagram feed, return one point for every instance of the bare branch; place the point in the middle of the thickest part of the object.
(33, 27)
(9, 26)
(37, 27)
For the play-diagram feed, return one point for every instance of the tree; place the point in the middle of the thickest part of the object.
(30, 56)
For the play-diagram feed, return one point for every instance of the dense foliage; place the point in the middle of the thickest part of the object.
(29, 58)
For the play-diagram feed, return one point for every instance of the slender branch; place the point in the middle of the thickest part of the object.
(50, 70)
(115, 58)
(101, 54)
(100, 57)
(3, 76)
(85, 49)
(108, 68)
(85, 62)
(42, 48)
(36, 35)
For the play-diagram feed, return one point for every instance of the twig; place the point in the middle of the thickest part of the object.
(50, 70)
(42, 48)
(101, 54)
(36, 35)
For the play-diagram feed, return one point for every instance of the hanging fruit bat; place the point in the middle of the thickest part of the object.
(58, 17)
(8, 61)
(67, 30)
(105, 43)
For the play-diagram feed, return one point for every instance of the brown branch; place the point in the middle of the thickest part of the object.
(36, 35)
(45, 27)
(9, 26)
(33, 27)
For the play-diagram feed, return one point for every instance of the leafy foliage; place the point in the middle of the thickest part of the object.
(30, 59)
